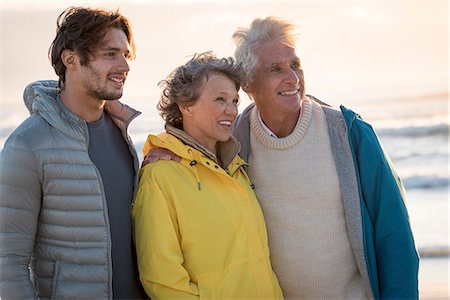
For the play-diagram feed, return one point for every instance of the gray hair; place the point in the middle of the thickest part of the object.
(247, 40)
(183, 85)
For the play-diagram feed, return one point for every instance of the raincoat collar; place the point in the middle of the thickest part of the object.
(226, 151)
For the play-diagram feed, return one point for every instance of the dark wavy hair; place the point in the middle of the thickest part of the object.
(82, 30)
(183, 85)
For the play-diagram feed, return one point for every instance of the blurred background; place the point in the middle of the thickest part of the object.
(386, 60)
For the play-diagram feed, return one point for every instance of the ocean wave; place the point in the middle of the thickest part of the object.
(439, 155)
(425, 182)
(437, 251)
(416, 131)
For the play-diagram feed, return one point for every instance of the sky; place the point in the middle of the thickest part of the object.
(351, 51)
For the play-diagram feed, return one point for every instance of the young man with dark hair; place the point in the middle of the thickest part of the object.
(68, 173)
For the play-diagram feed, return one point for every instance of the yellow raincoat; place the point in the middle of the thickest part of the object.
(200, 232)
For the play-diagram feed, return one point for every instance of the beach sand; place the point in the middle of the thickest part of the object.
(434, 280)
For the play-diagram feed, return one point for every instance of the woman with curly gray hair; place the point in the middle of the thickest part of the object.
(200, 232)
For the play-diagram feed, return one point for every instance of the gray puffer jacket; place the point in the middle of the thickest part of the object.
(54, 228)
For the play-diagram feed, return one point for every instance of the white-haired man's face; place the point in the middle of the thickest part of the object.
(277, 84)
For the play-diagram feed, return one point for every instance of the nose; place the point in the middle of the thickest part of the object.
(292, 76)
(124, 64)
(231, 109)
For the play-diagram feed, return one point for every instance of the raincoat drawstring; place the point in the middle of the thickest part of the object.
(248, 178)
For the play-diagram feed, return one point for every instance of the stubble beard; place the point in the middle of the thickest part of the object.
(102, 94)
(96, 90)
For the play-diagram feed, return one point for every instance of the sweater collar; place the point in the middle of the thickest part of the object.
(291, 140)
(264, 126)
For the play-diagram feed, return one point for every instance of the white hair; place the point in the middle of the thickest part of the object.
(261, 30)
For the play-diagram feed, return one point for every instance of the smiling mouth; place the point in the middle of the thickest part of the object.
(119, 80)
(289, 93)
(226, 123)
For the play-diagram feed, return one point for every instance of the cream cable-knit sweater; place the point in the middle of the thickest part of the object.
(298, 189)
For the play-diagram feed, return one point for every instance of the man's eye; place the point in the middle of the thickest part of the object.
(236, 102)
(276, 70)
(220, 99)
(296, 66)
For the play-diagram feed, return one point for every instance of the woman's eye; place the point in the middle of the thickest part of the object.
(220, 99)
(236, 102)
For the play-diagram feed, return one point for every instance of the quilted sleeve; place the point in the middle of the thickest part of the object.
(20, 203)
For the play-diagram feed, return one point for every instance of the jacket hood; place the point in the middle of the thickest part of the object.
(43, 97)
(44, 89)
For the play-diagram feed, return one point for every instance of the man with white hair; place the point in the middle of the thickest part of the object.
(333, 204)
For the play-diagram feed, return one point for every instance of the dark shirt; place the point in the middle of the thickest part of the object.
(109, 152)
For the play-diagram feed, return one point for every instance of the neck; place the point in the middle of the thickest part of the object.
(280, 125)
(84, 106)
(197, 136)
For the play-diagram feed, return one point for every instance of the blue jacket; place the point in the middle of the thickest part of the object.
(373, 198)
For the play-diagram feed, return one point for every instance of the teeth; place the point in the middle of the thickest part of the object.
(228, 123)
(289, 93)
(116, 79)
